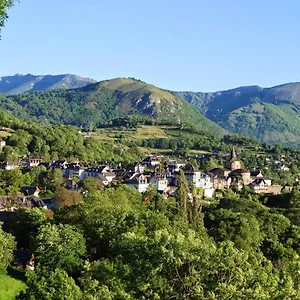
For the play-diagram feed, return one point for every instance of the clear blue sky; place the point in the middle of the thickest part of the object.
(199, 45)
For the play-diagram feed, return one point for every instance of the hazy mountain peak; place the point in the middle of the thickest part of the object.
(20, 83)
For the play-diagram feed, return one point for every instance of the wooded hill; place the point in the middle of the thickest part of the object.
(270, 115)
(102, 102)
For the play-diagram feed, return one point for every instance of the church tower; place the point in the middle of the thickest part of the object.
(233, 163)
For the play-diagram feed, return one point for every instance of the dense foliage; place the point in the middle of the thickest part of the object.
(58, 142)
(119, 244)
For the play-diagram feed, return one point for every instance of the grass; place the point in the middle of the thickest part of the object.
(4, 134)
(145, 132)
(11, 284)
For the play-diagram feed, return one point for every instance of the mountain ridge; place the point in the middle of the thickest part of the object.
(100, 103)
(19, 83)
(270, 114)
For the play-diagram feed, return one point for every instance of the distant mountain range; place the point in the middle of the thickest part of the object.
(270, 115)
(18, 83)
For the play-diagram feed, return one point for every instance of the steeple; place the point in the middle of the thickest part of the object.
(232, 154)
(233, 163)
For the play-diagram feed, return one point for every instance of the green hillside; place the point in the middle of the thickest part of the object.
(270, 115)
(104, 101)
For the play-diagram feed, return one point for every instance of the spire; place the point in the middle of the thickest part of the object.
(233, 154)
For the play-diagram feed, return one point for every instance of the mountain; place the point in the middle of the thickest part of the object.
(18, 84)
(104, 101)
(271, 115)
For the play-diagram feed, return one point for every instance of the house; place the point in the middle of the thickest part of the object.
(102, 173)
(137, 168)
(31, 162)
(221, 183)
(259, 186)
(139, 182)
(30, 191)
(174, 165)
(110, 176)
(171, 176)
(95, 171)
(257, 174)
(10, 165)
(121, 174)
(151, 161)
(232, 175)
(74, 170)
(160, 182)
(59, 164)
(197, 178)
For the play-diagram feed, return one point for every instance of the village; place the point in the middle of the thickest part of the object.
(150, 172)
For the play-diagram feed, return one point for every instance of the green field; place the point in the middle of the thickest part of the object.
(11, 284)
(142, 133)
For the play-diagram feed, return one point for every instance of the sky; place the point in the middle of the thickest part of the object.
(195, 45)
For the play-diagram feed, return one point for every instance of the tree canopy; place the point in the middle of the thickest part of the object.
(4, 6)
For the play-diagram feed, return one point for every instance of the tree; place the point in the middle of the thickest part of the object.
(64, 197)
(90, 184)
(60, 246)
(49, 285)
(4, 6)
(53, 180)
(182, 193)
(7, 246)
(25, 225)
(195, 214)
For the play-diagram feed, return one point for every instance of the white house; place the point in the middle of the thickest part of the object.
(198, 178)
(160, 182)
(74, 170)
(139, 182)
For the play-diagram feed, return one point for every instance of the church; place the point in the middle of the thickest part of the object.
(235, 175)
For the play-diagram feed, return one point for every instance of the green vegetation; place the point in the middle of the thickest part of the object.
(4, 6)
(11, 284)
(58, 142)
(269, 115)
(115, 243)
(119, 244)
(103, 102)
